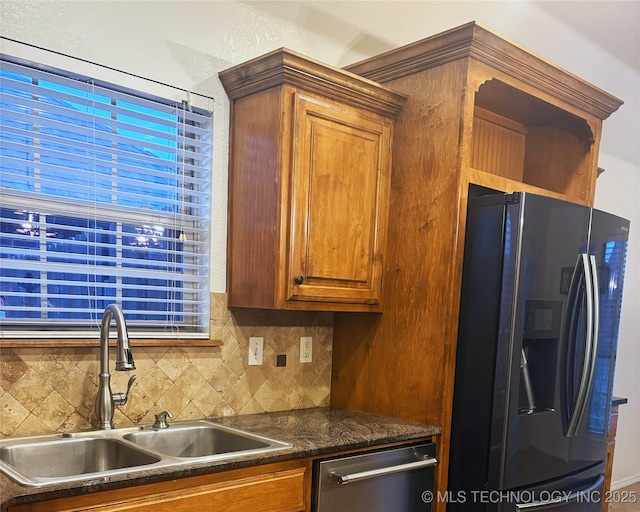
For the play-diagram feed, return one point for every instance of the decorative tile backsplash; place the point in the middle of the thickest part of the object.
(46, 390)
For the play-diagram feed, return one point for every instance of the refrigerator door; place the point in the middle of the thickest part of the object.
(476, 349)
(607, 253)
(539, 312)
(543, 269)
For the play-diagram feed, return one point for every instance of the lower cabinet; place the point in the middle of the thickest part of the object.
(613, 427)
(270, 488)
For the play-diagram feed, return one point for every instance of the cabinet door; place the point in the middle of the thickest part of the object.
(278, 491)
(339, 208)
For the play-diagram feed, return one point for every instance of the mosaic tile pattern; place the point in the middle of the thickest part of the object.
(46, 390)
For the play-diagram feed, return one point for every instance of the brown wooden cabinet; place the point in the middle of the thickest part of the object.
(481, 110)
(611, 446)
(279, 487)
(309, 174)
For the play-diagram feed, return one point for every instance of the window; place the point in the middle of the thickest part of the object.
(104, 197)
(610, 279)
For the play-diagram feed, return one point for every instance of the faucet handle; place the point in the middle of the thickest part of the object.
(121, 398)
(161, 420)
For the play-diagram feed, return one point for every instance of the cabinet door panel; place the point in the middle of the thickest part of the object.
(340, 185)
(281, 491)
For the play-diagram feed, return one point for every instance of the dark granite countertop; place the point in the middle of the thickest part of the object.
(311, 432)
(618, 400)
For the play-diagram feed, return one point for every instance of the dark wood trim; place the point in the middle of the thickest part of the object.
(284, 66)
(473, 41)
(66, 342)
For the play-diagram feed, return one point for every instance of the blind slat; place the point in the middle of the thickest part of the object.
(107, 133)
(153, 269)
(104, 197)
(21, 167)
(44, 297)
(98, 179)
(185, 274)
(109, 212)
(87, 86)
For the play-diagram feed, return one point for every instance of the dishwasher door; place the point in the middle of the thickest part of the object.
(394, 480)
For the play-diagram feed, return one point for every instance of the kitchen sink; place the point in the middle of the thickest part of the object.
(55, 459)
(199, 440)
(82, 456)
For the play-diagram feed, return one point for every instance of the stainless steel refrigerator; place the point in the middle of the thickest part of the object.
(539, 317)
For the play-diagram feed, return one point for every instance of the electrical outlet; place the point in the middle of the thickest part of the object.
(306, 349)
(256, 345)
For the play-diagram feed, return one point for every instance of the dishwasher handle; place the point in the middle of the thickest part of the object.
(387, 470)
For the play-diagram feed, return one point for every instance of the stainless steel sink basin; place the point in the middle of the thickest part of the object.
(45, 460)
(58, 458)
(201, 440)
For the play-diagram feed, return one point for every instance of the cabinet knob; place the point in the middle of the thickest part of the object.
(298, 279)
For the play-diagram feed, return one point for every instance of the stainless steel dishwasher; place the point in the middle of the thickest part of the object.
(392, 480)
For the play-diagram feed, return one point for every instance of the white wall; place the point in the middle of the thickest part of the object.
(186, 43)
(618, 191)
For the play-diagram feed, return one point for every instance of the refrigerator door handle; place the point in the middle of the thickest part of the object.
(562, 499)
(584, 386)
(594, 337)
(574, 299)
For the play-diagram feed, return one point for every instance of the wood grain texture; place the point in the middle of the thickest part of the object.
(558, 161)
(284, 66)
(340, 202)
(481, 110)
(309, 178)
(399, 363)
(498, 146)
(611, 447)
(254, 198)
(472, 40)
(272, 488)
(560, 142)
(488, 180)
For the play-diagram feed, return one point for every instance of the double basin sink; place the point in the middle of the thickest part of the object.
(83, 456)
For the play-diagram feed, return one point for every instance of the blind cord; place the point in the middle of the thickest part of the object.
(103, 66)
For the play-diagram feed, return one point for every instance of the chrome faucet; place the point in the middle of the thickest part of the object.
(105, 401)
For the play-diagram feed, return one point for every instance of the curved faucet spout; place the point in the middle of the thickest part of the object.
(105, 400)
(124, 357)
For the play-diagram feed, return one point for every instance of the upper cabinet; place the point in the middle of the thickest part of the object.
(309, 178)
(526, 124)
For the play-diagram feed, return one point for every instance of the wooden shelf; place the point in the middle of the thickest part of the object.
(492, 181)
(522, 137)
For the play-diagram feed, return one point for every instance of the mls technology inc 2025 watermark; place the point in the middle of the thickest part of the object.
(522, 497)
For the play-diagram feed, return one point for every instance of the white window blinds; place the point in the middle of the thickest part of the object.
(104, 197)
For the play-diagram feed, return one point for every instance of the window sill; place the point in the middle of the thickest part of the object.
(91, 342)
